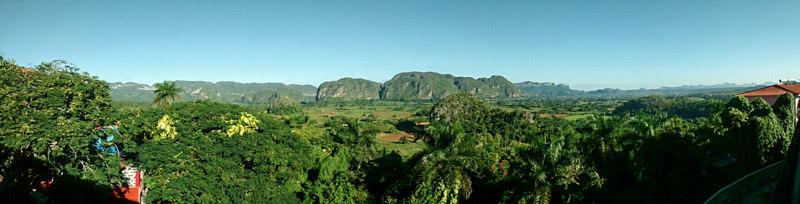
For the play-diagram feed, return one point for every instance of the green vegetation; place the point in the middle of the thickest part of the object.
(562, 91)
(418, 86)
(683, 107)
(535, 89)
(410, 86)
(348, 89)
(166, 93)
(492, 87)
(210, 152)
(51, 115)
(284, 106)
(757, 134)
(568, 150)
(267, 96)
(225, 92)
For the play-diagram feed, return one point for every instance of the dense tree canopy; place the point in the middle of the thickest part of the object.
(683, 107)
(218, 153)
(51, 115)
(460, 107)
(284, 106)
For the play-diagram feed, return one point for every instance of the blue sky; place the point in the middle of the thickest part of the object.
(586, 44)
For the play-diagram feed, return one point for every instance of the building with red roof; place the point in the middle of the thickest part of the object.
(771, 93)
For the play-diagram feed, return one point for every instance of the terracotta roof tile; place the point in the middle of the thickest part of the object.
(775, 90)
(794, 88)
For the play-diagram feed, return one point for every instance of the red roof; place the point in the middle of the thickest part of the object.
(774, 90)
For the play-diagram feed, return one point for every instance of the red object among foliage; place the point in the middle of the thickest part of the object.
(128, 194)
(45, 184)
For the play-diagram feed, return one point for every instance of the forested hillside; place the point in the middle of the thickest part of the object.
(430, 85)
(226, 92)
(347, 89)
(552, 90)
(547, 89)
(412, 86)
(407, 86)
(267, 96)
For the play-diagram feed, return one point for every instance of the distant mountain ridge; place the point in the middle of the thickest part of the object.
(417, 86)
(403, 87)
(548, 89)
(715, 86)
(224, 91)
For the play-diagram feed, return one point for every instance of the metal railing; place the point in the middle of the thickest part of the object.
(788, 188)
(784, 176)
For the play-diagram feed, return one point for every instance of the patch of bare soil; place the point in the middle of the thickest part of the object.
(557, 115)
(396, 137)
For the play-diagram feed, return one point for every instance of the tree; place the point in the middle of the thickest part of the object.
(444, 170)
(283, 105)
(207, 152)
(756, 133)
(603, 140)
(166, 93)
(784, 109)
(339, 176)
(51, 115)
(462, 108)
(772, 141)
(552, 169)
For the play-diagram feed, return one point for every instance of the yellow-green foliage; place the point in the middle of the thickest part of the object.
(167, 127)
(247, 123)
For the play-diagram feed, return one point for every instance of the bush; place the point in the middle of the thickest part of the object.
(404, 140)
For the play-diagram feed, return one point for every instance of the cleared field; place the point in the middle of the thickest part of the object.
(380, 112)
(576, 117)
(405, 150)
(556, 115)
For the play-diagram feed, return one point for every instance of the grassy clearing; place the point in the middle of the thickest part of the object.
(576, 117)
(405, 150)
(360, 112)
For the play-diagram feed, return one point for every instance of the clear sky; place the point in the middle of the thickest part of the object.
(587, 44)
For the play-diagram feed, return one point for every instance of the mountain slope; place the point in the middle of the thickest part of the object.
(224, 91)
(346, 89)
(432, 85)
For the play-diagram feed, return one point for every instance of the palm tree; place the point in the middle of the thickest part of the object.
(552, 164)
(166, 93)
(445, 165)
(603, 140)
